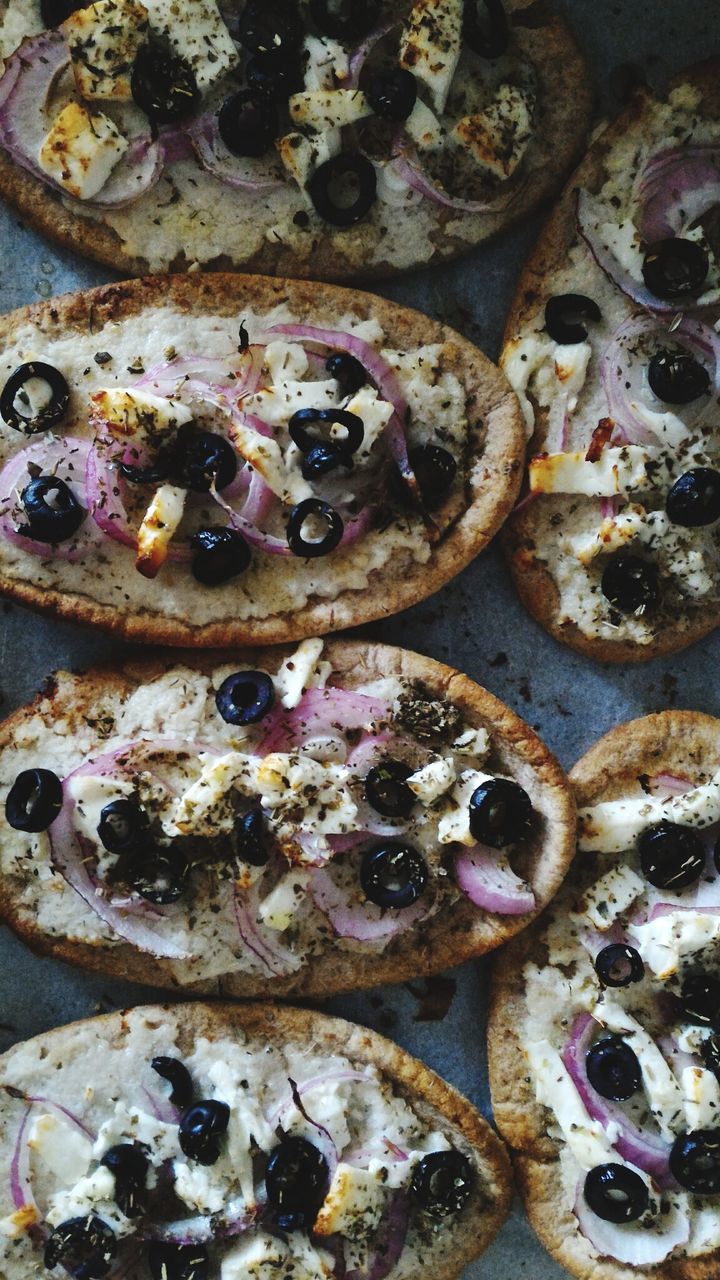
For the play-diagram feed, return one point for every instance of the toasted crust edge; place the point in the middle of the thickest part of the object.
(649, 744)
(535, 586)
(430, 1095)
(469, 933)
(495, 425)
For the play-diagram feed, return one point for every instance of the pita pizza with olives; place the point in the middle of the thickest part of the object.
(211, 460)
(321, 138)
(188, 1141)
(612, 345)
(277, 821)
(604, 1030)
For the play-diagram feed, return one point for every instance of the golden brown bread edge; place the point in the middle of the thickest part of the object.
(535, 586)
(495, 425)
(667, 740)
(544, 38)
(439, 942)
(429, 1095)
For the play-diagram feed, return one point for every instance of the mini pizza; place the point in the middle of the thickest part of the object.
(287, 821)
(612, 345)
(322, 138)
(213, 460)
(212, 1142)
(604, 1030)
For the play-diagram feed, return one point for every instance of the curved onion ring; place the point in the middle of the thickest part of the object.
(677, 186)
(648, 1152)
(362, 921)
(242, 173)
(490, 885)
(408, 169)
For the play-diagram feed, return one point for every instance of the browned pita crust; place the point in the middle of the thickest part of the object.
(495, 432)
(687, 742)
(435, 1102)
(441, 941)
(535, 585)
(565, 100)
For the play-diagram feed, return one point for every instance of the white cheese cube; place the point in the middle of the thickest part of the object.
(260, 1256)
(614, 825)
(612, 894)
(299, 672)
(139, 414)
(472, 742)
(353, 1204)
(281, 905)
(328, 108)
(277, 403)
(664, 942)
(104, 40)
(375, 413)
(433, 780)
(301, 156)
(85, 1197)
(613, 533)
(266, 456)
(197, 33)
(61, 1147)
(430, 45)
(290, 783)
(81, 151)
(424, 127)
(205, 808)
(617, 470)
(497, 137)
(701, 1096)
(285, 360)
(91, 794)
(326, 63)
(160, 522)
(455, 822)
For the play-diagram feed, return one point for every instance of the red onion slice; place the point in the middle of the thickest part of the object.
(648, 1152)
(676, 187)
(21, 1191)
(105, 488)
(276, 960)
(243, 173)
(321, 712)
(665, 785)
(491, 886)
(410, 171)
(389, 1241)
(631, 1243)
(230, 1222)
(61, 456)
(362, 921)
(136, 173)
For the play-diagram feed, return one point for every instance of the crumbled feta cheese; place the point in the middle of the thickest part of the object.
(104, 40)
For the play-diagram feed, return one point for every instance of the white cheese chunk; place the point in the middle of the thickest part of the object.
(196, 32)
(90, 1194)
(430, 45)
(433, 780)
(423, 126)
(289, 783)
(497, 137)
(609, 897)
(91, 794)
(285, 360)
(701, 1098)
(160, 522)
(260, 1256)
(265, 455)
(614, 825)
(617, 470)
(205, 808)
(375, 413)
(612, 534)
(130, 1124)
(61, 1147)
(326, 63)
(353, 1204)
(472, 742)
(664, 942)
(661, 1087)
(81, 151)
(586, 1138)
(139, 415)
(300, 672)
(455, 822)
(279, 908)
(276, 404)
(324, 109)
(301, 155)
(104, 40)
(520, 360)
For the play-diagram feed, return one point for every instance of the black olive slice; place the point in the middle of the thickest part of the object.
(270, 26)
(487, 35)
(563, 314)
(178, 1077)
(129, 1166)
(305, 440)
(695, 1161)
(54, 12)
(202, 1128)
(701, 999)
(616, 1193)
(321, 459)
(676, 377)
(163, 85)
(442, 1182)
(51, 413)
(85, 1247)
(160, 875)
(53, 512)
(348, 371)
(675, 269)
(386, 789)
(392, 94)
(122, 826)
(619, 965)
(322, 513)
(251, 838)
(248, 123)
(694, 500)
(221, 554)
(295, 1181)
(344, 188)
(34, 800)
(630, 584)
(393, 875)
(672, 856)
(501, 813)
(204, 460)
(274, 74)
(435, 469)
(245, 697)
(178, 1261)
(613, 1069)
(345, 20)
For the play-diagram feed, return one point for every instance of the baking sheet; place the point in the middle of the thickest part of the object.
(476, 622)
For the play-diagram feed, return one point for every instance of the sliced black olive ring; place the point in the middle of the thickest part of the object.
(245, 697)
(392, 94)
(393, 875)
(501, 813)
(204, 459)
(619, 965)
(51, 413)
(322, 512)
(442, 1182)
(85, 1247)
(301, 421)
(248, 123)
(613, 1069)
(328, 189)
(53, 512)
(201, 1129)
(274, 74)
(675, 268)
(488, 37)
(251, 840)
(676, 377)
(630, 584)
(324, 458)
(154, 473)
(671, 856)
(694, 500)
(348, 371)
(270, 25)
(34, 800)
(695, 1161)
(701, 999)
(163, 85)
(295, 1180)
(563, 314)
(616, 1193)
(386, 789)
(122, 826)
(178, 1077)
(129, 1166)
(160, 875)
(220, 554)
(435, 469)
